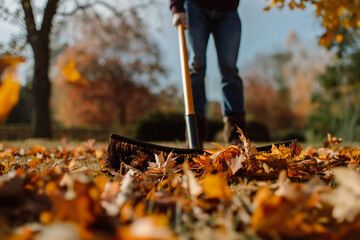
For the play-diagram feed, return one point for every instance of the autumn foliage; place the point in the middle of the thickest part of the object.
(334, 14)
(108, 79)
(230, 192)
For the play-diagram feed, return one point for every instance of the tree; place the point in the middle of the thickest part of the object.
(279, 91)
(333, 14)
(305, 64)
(265, 104)
(338, 101)
(38, 36)
(114, 72)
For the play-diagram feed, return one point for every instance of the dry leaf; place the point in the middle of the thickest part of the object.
(189, 182)
(345, 198)
(215, 186)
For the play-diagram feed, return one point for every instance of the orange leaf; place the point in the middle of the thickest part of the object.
(215, 186)
(100, 182)
(9, 95)
(71, 74)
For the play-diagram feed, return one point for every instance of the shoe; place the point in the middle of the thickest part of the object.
(231, 123)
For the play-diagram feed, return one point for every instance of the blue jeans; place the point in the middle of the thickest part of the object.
(226, 30)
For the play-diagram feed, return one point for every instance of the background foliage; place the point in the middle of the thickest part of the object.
(104, 69)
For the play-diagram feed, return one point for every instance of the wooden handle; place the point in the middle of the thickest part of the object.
(188, 97)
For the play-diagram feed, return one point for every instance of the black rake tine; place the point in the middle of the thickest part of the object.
(122, 149)
(141, 145)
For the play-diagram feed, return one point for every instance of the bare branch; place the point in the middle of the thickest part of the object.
(49, 13)
(108, 6)
(29, 18)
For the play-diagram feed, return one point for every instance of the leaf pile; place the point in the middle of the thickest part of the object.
(230, 192)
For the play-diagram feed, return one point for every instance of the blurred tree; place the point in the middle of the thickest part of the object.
(37, 22)
(110, 78)
(280, 85)
(264, 104)
(338, 101)
(333, 14)
(305, 63)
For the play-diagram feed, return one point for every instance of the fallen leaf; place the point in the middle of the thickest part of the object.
(215, 186)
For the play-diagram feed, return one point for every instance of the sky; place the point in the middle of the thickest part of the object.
(262, 33)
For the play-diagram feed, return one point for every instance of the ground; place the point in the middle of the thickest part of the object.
(64, 190)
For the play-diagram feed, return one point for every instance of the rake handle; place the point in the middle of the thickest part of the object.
(187, 91)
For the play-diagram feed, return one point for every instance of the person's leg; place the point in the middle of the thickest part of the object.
(227, 34)
(198, 36)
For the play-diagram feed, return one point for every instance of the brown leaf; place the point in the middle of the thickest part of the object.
(332, 141)
(235, 163)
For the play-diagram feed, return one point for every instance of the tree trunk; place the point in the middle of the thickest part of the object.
(40, 44)
(41, 92)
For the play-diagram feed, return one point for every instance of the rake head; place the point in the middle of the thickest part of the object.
(139, 153)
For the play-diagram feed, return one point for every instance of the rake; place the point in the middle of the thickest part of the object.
(138, 153)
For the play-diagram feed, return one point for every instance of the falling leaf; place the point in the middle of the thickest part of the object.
(9, 95)
(71, 74)
(9, 84)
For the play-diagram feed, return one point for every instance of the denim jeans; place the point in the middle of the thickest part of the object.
(226, 30)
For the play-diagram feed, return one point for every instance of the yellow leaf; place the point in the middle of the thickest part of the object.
(339, 38)
(99, 153)
(50, 188)
(45, 217)
(215, 186)
(10, 61)
(9, 95)
(94, 193)
(71, 74)
(9, 84)
(100, 182)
